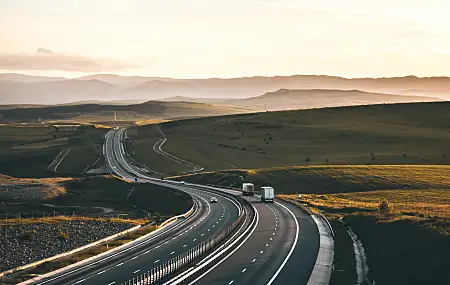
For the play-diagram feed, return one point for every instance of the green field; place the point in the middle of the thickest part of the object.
(27, 150)
(415, 133)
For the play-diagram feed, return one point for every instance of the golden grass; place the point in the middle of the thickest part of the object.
(150, 122)
(425, 203)
(58, 219)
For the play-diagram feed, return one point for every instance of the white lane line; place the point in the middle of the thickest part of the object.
(119, 264)
(114, 282)
(101, 272)
(202, 235)
(194, 239)
(185, 245)
(231, 282)
(243, 270)
(172, 252)
(254, 259)
(80, 281)
(271, 238)
(156, 261)
(267, 244)
(136, 271)
(273, 234)
(292, 248)
(134, 257)
(209, 230)
(261, 251)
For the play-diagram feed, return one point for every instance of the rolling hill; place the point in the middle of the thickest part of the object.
(285, 99)
(96, 113)
(412, 133)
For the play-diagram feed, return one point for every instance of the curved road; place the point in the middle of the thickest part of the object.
(147, 253)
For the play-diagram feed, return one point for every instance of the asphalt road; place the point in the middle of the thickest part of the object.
(138, 257)
(282, 250)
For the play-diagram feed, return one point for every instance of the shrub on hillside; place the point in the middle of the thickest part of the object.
(385, 207)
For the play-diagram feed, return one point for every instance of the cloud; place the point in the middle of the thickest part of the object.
(44, 50)
(46, 59)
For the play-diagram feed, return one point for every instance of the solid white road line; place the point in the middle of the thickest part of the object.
(292, 248)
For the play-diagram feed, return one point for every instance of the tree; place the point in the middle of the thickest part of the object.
(385, 206)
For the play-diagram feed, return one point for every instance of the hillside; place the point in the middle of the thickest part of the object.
(413, 133)
(285, 99)
(96, 113)
(23, 89)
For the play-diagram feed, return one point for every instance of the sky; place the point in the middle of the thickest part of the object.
(225, 38)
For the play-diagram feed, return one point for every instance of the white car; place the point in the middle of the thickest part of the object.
(213, 200)
(182, 182)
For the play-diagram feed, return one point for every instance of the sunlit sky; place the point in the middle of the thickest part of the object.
(226, 38)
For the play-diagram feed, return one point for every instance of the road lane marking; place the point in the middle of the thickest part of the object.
(114, 282)
(172, 252)
(254, 259)
(156, 261)
(243, 270)
(261, 251)
(267, 244)
(119, 264)
(79, 281)
(194, 239)
(231, 282)
(185, 245)
(101, 272)
(136, 271)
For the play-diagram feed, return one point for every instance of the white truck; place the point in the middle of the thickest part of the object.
(248, 189)
(267, 194)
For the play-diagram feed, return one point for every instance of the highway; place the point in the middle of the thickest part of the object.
(137, 257)
(281, 248)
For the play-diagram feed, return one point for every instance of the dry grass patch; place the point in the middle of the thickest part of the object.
(57, 219)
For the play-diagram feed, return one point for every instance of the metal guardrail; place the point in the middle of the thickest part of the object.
(168, 269)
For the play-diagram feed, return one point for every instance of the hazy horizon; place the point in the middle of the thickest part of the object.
(225, 39)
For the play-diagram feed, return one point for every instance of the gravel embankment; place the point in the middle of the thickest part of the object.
(23, 244)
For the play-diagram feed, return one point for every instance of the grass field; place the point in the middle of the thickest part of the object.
(141, 148)
(376, 134)
(27, 150)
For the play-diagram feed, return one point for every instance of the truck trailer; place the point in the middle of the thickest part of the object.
(248, 189)
(267, 194)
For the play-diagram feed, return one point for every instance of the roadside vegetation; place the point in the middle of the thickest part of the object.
(375, 134)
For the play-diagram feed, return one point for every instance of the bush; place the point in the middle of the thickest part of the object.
(307, 159)
(62, 235)
(385, 206)
(270, 138)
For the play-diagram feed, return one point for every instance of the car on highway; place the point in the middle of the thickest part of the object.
(213, 200)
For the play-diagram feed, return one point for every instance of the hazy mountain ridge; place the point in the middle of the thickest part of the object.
(25, 89)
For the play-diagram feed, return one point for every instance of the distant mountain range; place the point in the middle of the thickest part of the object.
(25, 89)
